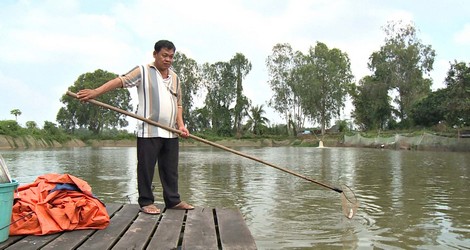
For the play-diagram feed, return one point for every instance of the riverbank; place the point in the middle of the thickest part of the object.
(28, 142)
(424, 142)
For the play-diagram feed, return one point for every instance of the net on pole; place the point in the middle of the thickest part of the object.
(349, 202)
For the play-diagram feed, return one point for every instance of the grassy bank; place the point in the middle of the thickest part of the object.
(412, 140)
(28, 142)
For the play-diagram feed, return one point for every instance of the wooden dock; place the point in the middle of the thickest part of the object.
(201, 228)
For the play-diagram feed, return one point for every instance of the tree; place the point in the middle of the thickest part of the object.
(431, 110)
(189, 74)
(32, 128)
(16, 113)
(202, 119)
(257, 121)
(86, 115)
(372, 104)
(401, 64)
(50, 128)
(31, 125)
(285, 101)
(66, 118)
(241, 67)
(458, 101)
(323, 80)
(220, 84)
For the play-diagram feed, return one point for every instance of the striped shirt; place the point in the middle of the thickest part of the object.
(159, 99)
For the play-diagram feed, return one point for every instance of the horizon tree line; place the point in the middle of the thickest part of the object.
(311, 86)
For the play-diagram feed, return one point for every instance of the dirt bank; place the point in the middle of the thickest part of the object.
(28, 142)
(23, 142)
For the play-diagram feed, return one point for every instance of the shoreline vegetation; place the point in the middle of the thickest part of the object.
(422, 141)
(28, 142)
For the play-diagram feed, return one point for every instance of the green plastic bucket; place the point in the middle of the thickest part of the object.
(6, 204)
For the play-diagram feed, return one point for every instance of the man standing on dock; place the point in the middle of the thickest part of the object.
(160, 100)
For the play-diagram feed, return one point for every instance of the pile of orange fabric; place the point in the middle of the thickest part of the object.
(55, 203)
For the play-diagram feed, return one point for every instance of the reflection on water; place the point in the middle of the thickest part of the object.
(407, 199)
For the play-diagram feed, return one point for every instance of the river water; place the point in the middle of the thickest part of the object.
(408, 199)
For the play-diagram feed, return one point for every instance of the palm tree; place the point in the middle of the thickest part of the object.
(16, 113)
(256, 119)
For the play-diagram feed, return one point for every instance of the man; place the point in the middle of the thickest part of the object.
(160, 99)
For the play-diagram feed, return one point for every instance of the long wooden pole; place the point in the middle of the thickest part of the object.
(104, 105)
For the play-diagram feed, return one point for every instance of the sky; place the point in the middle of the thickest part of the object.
(46, 45)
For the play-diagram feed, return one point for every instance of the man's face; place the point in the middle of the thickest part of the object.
(164, 58)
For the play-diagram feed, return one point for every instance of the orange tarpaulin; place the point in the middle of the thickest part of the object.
(55, 203)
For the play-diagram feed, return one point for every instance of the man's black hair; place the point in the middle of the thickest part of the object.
(164, 44)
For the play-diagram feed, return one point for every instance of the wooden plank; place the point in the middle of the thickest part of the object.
(113, 208)
(199, 231)
(106, 238)
(73, 239)
(69, 240)
(234, 233)
(11, 240)
(168, 231)
(33, 242)
(131, 229)
(139, 233)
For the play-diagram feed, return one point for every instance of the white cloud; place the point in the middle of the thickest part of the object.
(19, 95)
(402, 15)
(439, 73)
(463, 36)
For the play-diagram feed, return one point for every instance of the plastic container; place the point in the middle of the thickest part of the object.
(6, 205)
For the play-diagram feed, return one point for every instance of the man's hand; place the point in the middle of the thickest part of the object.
(184, 132)
(87, 94)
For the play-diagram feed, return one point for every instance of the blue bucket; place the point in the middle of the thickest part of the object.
(6, 205)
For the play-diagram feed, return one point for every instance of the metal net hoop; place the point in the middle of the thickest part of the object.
(349, 203)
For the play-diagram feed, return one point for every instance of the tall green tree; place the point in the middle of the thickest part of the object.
(202, 119)
(31, 125)
(241, 67)
(402, 63)
(16, 113)
(323, 81)
(281, 64)
(190, 76)
(86, 115)
(50, 128)
(432, 109)
(257, 121)
(220, 84)
(372, 104)
(458, 101)
(32, 128)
